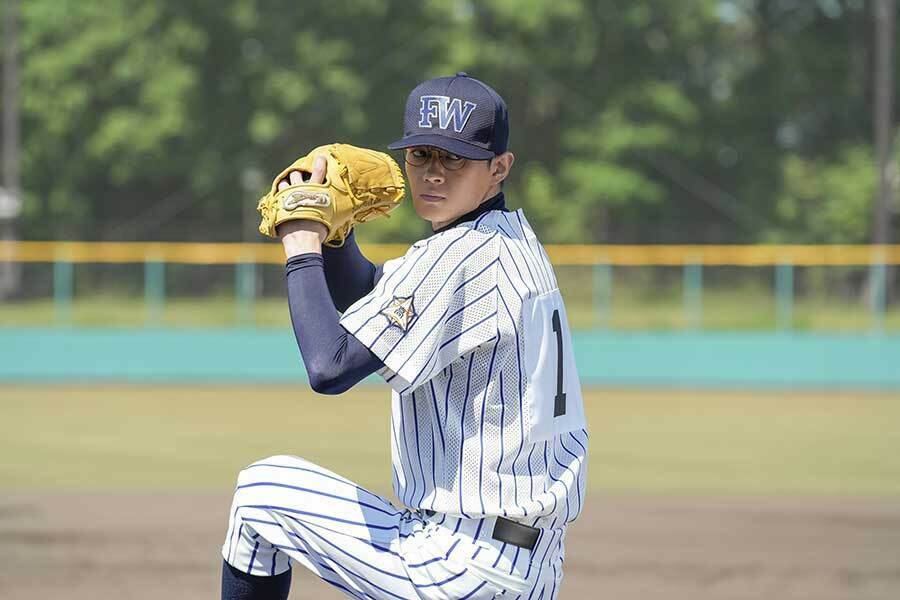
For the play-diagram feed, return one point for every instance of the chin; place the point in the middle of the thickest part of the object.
(430, 212)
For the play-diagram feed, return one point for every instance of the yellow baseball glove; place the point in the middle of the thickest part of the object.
(359, 186)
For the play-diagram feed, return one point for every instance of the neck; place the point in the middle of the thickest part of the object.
(495, 202)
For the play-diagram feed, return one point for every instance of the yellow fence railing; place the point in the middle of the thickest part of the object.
(691, 259)
(625, 255)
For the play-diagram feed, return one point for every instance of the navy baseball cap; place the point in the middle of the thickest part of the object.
(458, 114)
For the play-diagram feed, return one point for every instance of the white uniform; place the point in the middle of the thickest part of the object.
(487, 421)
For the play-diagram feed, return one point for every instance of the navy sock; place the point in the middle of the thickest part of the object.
(237, 585)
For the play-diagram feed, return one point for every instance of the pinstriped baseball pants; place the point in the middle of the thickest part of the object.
(287, 509)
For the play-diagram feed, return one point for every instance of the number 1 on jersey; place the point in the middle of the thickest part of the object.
(554, 397)
(559, 404)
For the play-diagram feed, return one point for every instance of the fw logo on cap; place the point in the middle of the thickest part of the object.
(448, 111)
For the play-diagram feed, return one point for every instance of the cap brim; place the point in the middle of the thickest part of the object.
(464, 149)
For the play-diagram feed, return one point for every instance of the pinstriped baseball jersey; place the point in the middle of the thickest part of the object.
(487, 414)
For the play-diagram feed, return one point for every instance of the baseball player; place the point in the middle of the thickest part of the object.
(488, 435)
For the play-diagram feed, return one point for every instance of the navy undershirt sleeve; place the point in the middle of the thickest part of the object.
(349, 274)
(335, 360)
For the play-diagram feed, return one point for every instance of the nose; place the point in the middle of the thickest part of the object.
(434, 170)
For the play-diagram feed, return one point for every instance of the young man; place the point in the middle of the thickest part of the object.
(488, 441)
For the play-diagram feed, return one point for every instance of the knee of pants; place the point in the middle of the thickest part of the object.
(256, 472)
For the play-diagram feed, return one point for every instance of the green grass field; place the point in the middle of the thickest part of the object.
(118, 437)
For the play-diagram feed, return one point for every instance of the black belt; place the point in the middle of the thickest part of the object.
(511, 532)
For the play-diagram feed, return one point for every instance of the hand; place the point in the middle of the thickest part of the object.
(302, 235)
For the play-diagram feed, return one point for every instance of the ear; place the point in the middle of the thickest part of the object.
(501, 165)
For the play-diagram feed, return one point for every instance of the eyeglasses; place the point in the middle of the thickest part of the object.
(418, 157)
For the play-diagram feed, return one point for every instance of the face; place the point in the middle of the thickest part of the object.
(445, 186)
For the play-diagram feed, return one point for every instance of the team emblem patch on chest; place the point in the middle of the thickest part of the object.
(400, 312)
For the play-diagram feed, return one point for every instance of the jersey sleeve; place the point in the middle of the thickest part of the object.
(436, 304)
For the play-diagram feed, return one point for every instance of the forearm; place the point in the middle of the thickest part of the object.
(335, 360)
(349, 274)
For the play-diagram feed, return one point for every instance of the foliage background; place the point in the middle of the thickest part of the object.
(720, 121)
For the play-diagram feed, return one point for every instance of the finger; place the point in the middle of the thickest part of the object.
(282, 184)
(295, 177)
(319, 167)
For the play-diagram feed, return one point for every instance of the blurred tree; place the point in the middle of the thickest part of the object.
(106, 103)
(594, 92)
(826, 201)
(792, 81)
(696, 121)
(144, 120)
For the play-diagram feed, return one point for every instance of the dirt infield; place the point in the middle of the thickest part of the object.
(140, 546)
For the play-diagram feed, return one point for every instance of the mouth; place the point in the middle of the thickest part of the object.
(432, 197)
